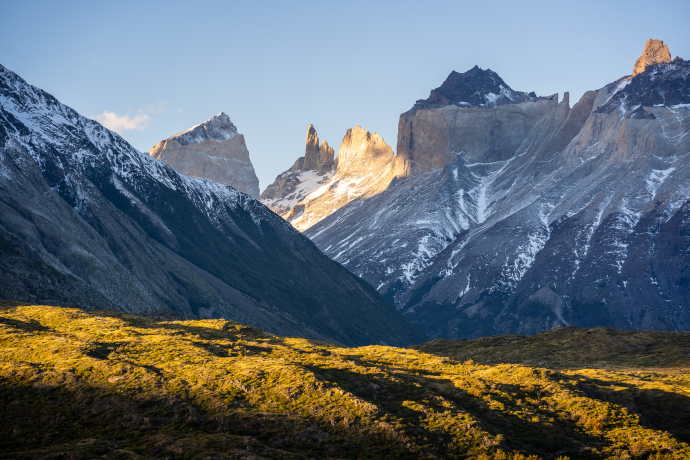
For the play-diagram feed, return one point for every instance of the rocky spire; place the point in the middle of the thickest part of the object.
(315, 158)
(326, 157)
(311, 153)
(655, 52)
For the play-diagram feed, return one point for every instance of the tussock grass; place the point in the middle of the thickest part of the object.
(77, 384)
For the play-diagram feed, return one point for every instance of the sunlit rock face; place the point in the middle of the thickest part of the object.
(308, 173)
(365, 166)
(655, 52)
(316, 158)
(212, 150)
(519, 217)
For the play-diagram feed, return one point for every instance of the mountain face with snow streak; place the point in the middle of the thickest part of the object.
(308, 173)
(86, 220)
(212, 150)
(365, 166)
(582, 218)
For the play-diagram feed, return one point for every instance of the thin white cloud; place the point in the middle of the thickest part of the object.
(118, 123)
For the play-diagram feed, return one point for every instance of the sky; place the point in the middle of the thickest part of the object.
(153, 69)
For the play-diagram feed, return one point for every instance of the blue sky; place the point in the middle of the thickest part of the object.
(276, 67)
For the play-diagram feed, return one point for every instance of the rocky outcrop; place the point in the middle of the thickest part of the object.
(316, 158)
(474, 114)
(655, 52)
(212, 150)
(307, 174)
(582, 222)
(365, 166)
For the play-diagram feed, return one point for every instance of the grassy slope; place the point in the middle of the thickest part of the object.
(84, 385)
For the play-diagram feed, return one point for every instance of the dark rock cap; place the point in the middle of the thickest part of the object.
(474, 88)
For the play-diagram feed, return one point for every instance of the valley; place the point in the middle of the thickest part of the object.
(510, 283)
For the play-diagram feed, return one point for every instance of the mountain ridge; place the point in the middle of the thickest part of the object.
(85, 210)
(569, 219)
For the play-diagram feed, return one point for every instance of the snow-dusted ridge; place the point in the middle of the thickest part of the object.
(50, 125)
(590, 208)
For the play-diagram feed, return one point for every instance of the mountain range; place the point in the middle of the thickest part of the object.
(506, 212)
(502, 212)
(86, 220)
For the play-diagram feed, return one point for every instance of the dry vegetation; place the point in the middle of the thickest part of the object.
(112, 385)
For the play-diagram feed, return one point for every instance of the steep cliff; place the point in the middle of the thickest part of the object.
(474, 114)
(213, 150)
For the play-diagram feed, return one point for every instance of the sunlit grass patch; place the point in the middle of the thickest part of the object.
(126, 385)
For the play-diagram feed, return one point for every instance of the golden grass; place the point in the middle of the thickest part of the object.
(77, 384)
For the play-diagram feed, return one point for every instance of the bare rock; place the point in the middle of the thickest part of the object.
(213, 150)
(365, 166)
(317, 158)
(308, 173)
(655, 52)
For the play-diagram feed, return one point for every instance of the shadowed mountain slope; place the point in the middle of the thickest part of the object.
(88, 220)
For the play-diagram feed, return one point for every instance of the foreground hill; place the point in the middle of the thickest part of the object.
(87, 220)
(75, 384)
(572, 348)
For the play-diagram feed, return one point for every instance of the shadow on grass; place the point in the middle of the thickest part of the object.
(39, 415)
(390, 394)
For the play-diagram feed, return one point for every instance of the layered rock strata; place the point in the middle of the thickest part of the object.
(474, 114)
(212, 150)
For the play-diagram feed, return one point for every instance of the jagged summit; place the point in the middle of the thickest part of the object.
(317, 186)
(474, 88)
(319, 159)
(308, 173)
(655, 52)
(218, 128)
(362, 144)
